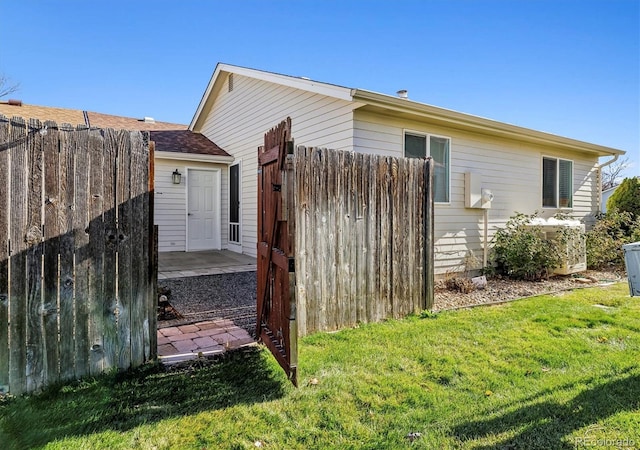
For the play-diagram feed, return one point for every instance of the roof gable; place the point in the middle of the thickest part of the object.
(222, 71)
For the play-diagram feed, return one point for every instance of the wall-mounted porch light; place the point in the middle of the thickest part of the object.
(176, 177)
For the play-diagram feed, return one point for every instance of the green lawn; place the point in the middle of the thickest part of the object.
(550, 372)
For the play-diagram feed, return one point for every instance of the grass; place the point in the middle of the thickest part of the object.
(550, 372)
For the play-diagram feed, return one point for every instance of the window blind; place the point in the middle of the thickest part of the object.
(549, 180)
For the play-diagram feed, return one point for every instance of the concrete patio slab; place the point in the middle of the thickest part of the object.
(208, 262)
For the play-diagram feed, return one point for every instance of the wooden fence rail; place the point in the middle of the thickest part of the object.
(76, 267)
(364, 238)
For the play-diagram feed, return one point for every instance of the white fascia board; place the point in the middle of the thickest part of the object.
(316, 87)
(205, 96)
(305, 84)
(194, 157)
(479, 124)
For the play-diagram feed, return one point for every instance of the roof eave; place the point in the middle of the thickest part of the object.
(205, 97)
(194, 157)
(479, 124)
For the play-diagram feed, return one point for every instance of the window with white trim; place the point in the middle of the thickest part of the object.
(234, 204)
(417, 145)
(557, 183)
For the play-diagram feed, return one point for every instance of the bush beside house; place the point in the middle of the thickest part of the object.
(605, 240)
(626, 197)
(520, 250)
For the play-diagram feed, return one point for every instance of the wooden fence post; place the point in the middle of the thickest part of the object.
(52, 233)
(18, 259)
(4, 254)
(428, 234)
(67, 215)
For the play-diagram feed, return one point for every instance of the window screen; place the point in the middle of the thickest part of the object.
(566, 183)
(415, 146)
(439, 150)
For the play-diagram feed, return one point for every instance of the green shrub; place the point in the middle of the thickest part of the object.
(605, 240)
(627, 197)
(520, 250)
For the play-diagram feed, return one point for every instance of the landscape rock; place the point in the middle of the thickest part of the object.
(479, 282)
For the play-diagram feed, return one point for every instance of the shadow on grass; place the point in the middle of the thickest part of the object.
(120, 402)
(547, 424)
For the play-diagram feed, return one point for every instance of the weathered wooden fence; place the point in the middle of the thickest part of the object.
(76, 253)
(364, 237)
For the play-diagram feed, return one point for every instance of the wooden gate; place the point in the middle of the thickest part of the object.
(276, 320)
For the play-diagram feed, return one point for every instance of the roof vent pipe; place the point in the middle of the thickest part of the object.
(403, 93)
(149, 120)
(14, 102)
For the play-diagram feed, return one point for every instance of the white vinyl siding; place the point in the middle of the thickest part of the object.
(170, 202)
(510, 169)
(239, 119)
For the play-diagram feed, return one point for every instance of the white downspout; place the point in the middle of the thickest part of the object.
(485, 253)
(611, 161)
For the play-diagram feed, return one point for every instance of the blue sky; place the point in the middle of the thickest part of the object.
(569, 67)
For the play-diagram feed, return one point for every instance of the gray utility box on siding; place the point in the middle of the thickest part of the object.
(632, 261)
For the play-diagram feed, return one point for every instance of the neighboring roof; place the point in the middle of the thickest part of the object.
(76, 117)
(169, 137)
(610, 190)
(394, 106)
(185, 141)
(100, 120)
(43, 113)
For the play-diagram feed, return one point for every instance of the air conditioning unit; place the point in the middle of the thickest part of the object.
(575, 249)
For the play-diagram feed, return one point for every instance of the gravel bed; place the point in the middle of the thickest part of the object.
(233, 296)
(502, 289)
(227, 296)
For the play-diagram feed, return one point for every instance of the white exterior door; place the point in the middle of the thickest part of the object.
(203, 209)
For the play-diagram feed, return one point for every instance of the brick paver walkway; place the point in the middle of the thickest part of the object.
(186, 342)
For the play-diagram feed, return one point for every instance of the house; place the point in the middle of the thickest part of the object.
(605, 198)
(202, 165)
(485, 170)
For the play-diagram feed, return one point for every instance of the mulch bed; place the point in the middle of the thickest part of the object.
(503, 289)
